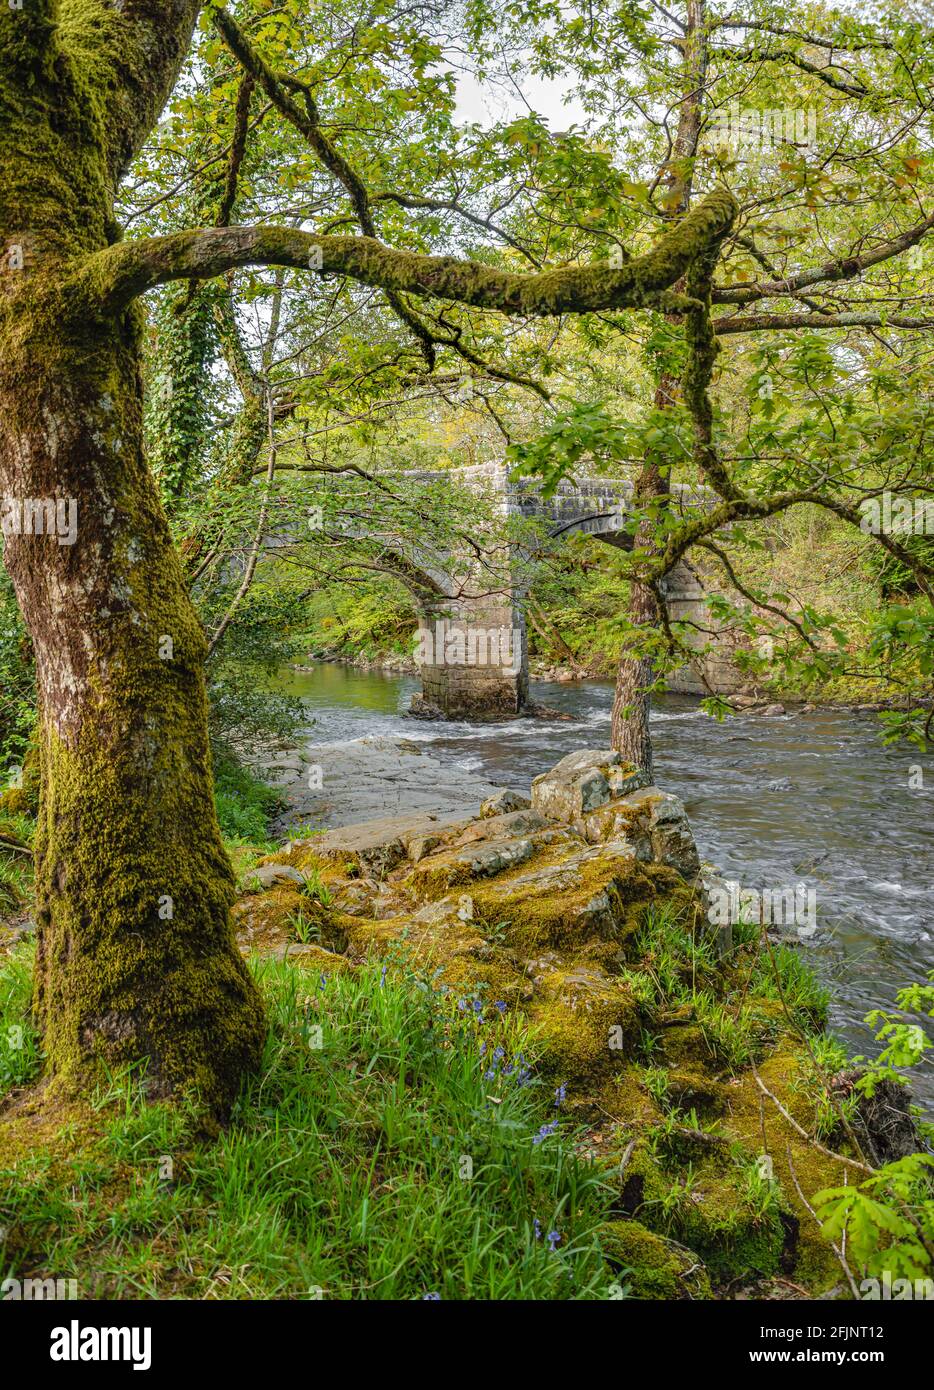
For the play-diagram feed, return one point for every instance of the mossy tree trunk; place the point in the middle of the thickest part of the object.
(135, 956)
(632, 700)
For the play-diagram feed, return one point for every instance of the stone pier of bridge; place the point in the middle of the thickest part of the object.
(472, 651)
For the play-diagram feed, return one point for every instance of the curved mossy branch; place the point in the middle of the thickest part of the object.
(111, 279)
(308, 123)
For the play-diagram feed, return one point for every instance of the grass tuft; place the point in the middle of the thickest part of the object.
(394, 1145)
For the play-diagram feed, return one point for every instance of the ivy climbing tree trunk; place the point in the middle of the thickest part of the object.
(136, 961)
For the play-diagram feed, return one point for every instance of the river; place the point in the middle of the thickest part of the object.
(774, 801)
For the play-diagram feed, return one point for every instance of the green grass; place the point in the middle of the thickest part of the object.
(387, 1150)
(19, 1046)
(781, 974)
(679, 970)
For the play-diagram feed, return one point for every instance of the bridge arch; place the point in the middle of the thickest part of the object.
(472, 651)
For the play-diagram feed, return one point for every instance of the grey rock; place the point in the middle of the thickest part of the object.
(380, 845)
(480, 860)
(501, 827)
(272, 875)
(504, 801)
(655, 823)
(580, 783)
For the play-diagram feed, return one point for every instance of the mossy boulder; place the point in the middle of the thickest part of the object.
(654, 823)
(15, 802)
(263, 922)
(651, 1266)
(439, 873)
(570, 896)
(711, 1206)
(441, 940)
(586, 1022)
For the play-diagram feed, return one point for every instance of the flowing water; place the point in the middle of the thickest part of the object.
(812, 799)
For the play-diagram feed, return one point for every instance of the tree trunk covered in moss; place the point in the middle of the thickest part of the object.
(629, 726)
(135, 955)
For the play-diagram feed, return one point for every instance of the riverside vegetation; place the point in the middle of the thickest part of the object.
(508, 1057)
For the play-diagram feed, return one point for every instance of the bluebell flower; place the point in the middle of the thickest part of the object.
(500, 1005)
(554, 1239)
(538, 1228)
(431, 1298)
(560, 1094)
(544, 1132)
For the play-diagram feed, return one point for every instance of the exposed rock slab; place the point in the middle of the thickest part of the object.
(357, 780)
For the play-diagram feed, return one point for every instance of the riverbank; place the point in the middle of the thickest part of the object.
(506, 1029)
(691, 1068)
(757, 698)
(812, 798)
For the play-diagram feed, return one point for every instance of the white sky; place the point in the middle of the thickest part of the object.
(484, 104)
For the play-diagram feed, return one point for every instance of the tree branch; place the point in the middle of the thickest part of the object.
(855, 318)
(109, 280)
(843, 268)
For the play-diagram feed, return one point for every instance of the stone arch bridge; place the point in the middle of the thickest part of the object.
(472, 644)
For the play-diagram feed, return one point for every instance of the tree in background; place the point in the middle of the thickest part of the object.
(819, 122)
